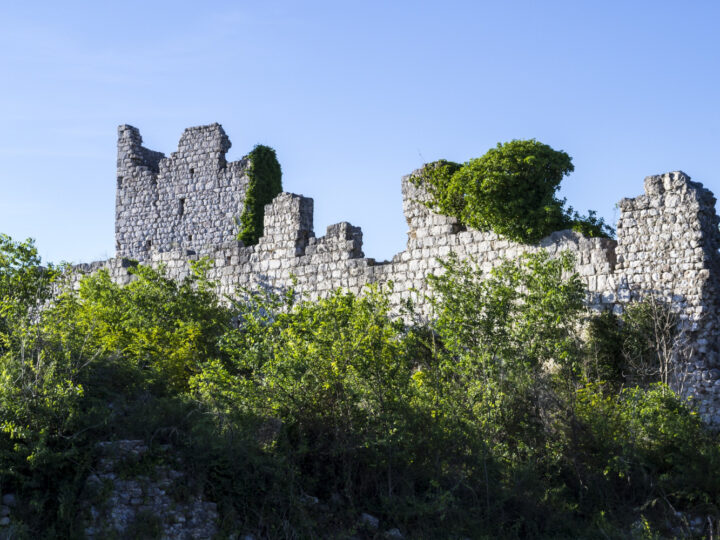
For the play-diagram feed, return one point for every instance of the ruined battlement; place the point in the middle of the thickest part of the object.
(189, 200)
(173, 210)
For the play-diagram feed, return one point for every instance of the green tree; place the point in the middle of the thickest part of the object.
(521, 315)
(334, 372)
(165, 328)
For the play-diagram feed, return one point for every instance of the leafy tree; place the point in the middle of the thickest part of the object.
(25, 285)
(521, 315)
(166, 328)
(604, 362)
(334, 372)
(510, 190)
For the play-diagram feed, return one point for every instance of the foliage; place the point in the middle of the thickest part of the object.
(523, 313)
(334, 372)
(165, 328)
(652, 341)
(510, 190)
(265, 182)
(508, 342)
(604, 360)
(436, 178)
(644, 345)
(72, 362)
(501, 417)
(644, 448)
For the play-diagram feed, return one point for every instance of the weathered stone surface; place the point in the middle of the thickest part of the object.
(190, 199)
(119, 502)
(369, 521)
(667, 243)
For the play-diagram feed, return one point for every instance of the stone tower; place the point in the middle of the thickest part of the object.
(189, 200)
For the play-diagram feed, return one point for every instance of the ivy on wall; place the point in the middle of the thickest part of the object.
(265, 183)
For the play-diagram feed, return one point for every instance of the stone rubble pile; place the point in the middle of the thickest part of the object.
(123, 504)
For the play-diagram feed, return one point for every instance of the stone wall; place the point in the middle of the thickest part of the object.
(667, 243)
(122, 503)
(189, 200)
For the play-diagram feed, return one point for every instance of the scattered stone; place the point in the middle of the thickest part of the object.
(370, 521)
(394, 533)
(309, 499)
(9, 500)
(134, 503)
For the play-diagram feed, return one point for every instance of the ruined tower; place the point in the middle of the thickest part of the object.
(189, 200)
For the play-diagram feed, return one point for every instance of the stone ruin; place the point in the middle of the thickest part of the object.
(175, 210)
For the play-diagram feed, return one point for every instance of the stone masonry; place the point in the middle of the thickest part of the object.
(190, 199)
(122, 503)
(172, 211)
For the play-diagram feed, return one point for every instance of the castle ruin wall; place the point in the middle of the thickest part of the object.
(667, 243)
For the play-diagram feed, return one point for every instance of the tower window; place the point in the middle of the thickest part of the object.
(192, 172)
(181, 207)
(119, 182)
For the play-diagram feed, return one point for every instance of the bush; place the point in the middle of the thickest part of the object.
(492, 420)
(510, 190)
(164, 328)
(604, 362)
(333, 373)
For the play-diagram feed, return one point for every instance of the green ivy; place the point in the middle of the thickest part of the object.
(264, 185)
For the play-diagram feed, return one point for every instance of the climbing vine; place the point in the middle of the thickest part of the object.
(265, 183)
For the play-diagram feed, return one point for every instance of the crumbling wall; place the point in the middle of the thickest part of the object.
(189, 200)
(289, 250)
(667, 243)
(121, 503)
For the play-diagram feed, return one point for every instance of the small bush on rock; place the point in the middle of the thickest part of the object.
(510, 190)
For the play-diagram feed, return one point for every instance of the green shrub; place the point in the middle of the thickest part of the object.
(652, 341)
(165, 328)
(642, 448)
(489, 420)
(604, 361)
(510, 190)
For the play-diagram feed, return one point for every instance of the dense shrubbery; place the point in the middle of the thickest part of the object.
(494, 420)
(510, 190)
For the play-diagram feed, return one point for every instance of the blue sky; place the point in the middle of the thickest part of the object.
(352, 95)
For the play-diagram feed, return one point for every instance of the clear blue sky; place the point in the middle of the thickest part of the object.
(352, 95)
